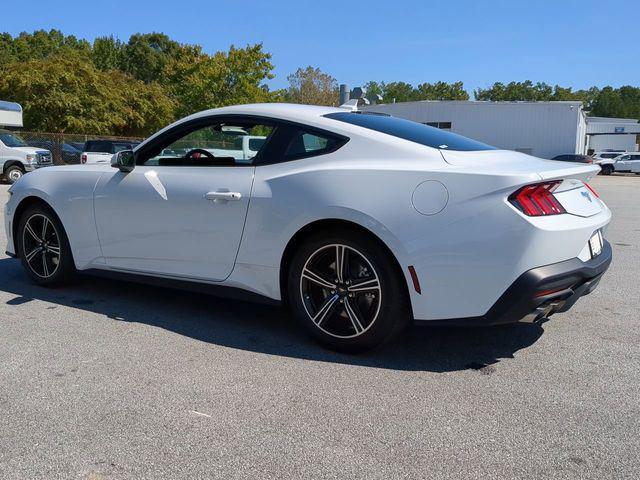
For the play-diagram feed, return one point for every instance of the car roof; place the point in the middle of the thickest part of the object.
(308, 114)
(285, 111)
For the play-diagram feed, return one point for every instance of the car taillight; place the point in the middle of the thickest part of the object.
(83, 158)
(591, 189)
(537, 200)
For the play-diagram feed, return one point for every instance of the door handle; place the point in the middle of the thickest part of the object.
(223, 196)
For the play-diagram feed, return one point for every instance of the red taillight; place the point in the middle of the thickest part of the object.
(83, 158)
(591, 189)
(537, 200)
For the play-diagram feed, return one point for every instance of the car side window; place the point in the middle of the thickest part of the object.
(214, 144)
(303, 143)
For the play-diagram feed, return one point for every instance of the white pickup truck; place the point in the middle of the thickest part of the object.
(18, 158)
(101, 151)
(250, 147)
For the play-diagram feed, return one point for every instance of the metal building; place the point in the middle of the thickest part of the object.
(543, 129)
(613, 134)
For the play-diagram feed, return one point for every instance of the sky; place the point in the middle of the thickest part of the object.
(576, 43)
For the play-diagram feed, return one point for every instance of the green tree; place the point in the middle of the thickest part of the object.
(108, 53)
(75, 97)
(514, 91)
(405, 92)
(312, 86)
(441, 91)
(146, 55)
(398, 92)
(619, 102)
(198, 81)
(39, 44)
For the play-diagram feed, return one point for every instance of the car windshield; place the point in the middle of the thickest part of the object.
(412, 131)
(12, 140)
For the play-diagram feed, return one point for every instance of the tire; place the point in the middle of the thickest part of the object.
(607, 169)
(13, 174)
(368, 304)
(47, 257)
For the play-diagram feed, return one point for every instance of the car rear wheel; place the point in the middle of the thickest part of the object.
(347, 292)
(607, 169)
(13, 174)
(43, 247)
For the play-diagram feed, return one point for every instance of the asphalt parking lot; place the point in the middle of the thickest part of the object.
(105, 380)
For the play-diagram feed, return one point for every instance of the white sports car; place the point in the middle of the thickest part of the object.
(360, 223)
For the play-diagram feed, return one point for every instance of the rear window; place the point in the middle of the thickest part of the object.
(412, 131)
(97, 146)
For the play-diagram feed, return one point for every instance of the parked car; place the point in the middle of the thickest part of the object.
(598, 157)
(359, 223)
(18, 158)
(101, 151)
(628, 162)
(609, 164)
(62, 152)
(574, 158)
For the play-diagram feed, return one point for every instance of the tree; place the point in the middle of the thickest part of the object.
(621, 102)
(39, 44)
(108, 53)
(198, 81)
(75, 97)
(398, 92)
(311, 86)
(146, 55)
(441, 91)
(515, 91)
(405, 92)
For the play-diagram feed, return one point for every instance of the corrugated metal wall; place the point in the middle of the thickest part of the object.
(543, 129)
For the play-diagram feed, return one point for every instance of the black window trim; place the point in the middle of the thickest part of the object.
(271, 153)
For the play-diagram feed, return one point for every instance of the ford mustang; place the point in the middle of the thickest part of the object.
(360, 223)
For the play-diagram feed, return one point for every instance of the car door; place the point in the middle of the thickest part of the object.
(178, 216)
(622, 164)
(634, 163)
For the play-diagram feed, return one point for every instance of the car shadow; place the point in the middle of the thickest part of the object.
(268, 329)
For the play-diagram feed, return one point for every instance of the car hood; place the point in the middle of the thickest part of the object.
(31, 150)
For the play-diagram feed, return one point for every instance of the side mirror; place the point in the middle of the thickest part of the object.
(124, 161)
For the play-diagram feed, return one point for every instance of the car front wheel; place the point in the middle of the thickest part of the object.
(13, 174)
(347, 292)
(607, 169)
(43, 247)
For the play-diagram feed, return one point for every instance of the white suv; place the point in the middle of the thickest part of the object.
(18, 158)
(627, 162)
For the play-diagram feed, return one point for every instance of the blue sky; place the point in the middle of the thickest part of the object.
(571, 43)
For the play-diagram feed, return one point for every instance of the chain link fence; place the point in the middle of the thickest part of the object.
(65, 148)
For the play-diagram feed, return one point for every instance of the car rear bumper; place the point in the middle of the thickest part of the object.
(540, 292)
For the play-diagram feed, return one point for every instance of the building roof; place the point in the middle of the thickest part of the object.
(611, 120)
(10, 106)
